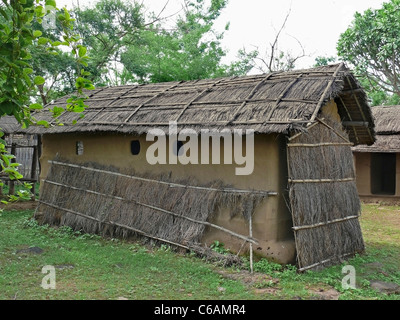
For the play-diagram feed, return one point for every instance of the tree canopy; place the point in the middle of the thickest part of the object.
(126, 46)
(372, 45)
(21, 75)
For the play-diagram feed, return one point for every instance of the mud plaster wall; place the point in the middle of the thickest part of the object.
(272, 220)
(330, 109)
(363, 173)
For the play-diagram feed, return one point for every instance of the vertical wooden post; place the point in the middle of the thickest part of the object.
(33, 170)
(251, 245)
(12, 184)
(39, 151)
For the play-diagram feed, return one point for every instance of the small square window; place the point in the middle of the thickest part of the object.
(79, 148)
(135, 147)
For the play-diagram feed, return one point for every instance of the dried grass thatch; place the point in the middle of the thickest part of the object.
(387, 119)
(269, 103)
(323, 196)
(8, 124)
(387, 127)
(109, 203)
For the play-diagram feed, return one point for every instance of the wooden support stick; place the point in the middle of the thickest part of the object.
(356, 124)
(11, 191)
(320, 180)
(251, 244)
(322, 144)
(112, 223)
(333, 129)
(321, 224)
(309, 126)
(241, 247)
(170, 184)
(325, 93)
(189, 123)
(324, 261)
(34, 162)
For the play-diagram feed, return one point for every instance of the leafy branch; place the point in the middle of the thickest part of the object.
(18, 82)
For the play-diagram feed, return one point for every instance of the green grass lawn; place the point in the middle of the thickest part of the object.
(89, 267)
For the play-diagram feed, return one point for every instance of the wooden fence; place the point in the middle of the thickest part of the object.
(26, 149)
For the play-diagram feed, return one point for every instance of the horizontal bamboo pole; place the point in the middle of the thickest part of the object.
(322, 144)
(324, 261)
(198, 104)
(321, 224)
(189, 123)
(356, 123)
(333, 129)
(309, 126)
(170, 184)
(319, 180)
(112, 223)
(351, 91)
(158, 209)
(186, 87)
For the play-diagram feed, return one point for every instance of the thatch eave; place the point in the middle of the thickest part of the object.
(387, 127)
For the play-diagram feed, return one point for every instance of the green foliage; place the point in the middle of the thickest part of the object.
(268, 267)
(218, 246)
(371, 44)
(190, 50)
(378, 96)
(25, 51)
(90, 267)
(23, 46)
(126, 45)
(107, 29)
(324, 61)
(106, 269)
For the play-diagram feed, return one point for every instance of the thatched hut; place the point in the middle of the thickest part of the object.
(299, 203)
(25, 147)
(378, 165)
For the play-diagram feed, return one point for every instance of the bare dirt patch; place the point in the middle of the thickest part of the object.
(322, 293)
(259, 282)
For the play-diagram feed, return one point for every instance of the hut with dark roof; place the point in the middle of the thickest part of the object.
(298, 204)
(378, 165)
(25, 148)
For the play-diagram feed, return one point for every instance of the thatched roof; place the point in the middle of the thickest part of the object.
(268, 103)
(8, 124)
(387, 127)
